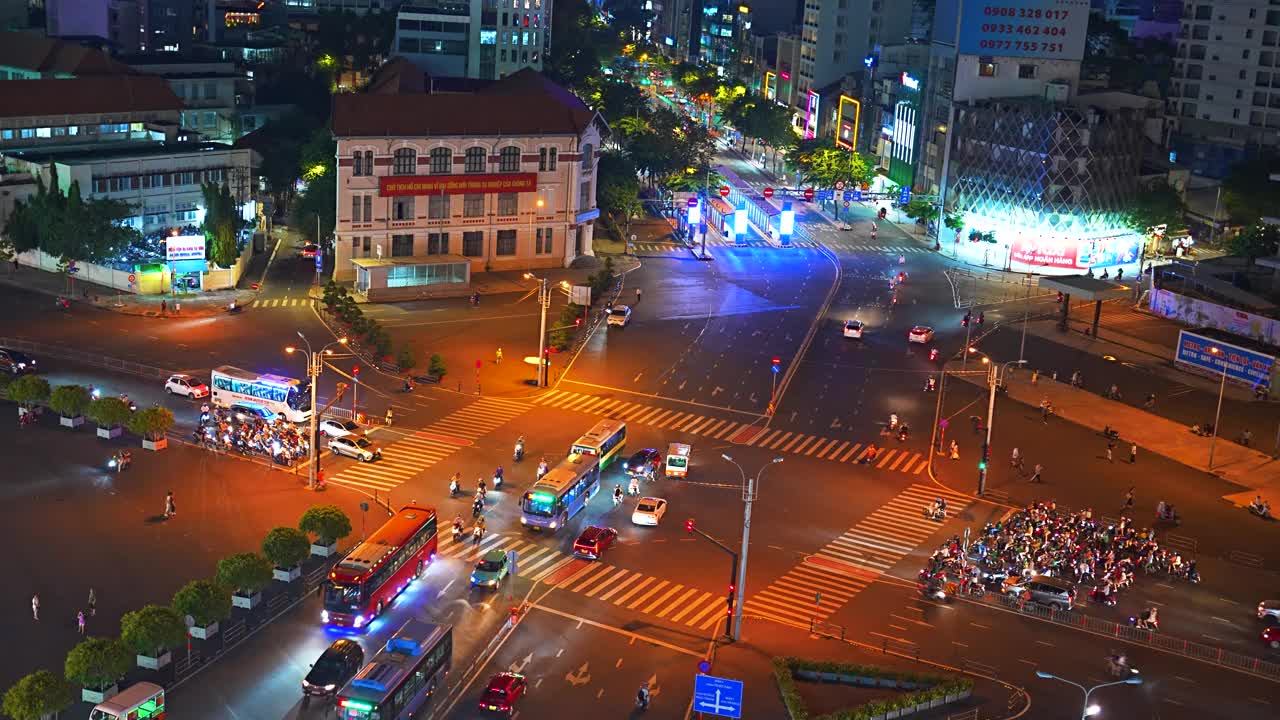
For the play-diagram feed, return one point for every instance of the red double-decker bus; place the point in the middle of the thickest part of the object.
(378, 569)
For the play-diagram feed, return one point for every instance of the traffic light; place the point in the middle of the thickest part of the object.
(546, 356)
(965, 322)
(688, 526)
(982, 464)
(729, 610)
(577, 322)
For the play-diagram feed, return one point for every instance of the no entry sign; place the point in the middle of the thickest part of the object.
(724, 191)
(808, 193)
(768, 192)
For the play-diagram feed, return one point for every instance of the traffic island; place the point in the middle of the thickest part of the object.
(884, 692)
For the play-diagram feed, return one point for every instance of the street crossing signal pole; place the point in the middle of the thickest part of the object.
(737, 590)
(690, 528)
(544, 300)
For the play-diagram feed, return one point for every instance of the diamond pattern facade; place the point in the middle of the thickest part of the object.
(1046, 167)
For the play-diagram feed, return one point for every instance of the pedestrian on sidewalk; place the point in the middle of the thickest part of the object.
(1114, 392)
(1111, 445)
(1075, 378)
(1035, 475)
(1044, 410)
(497, 357)
(93, 603)
(1015, 461)
(1128, 500)
(1133, 453)
(170, 509)
(164, 307)
(177, 308)
(955, 450)
(1035, 377)
(637, 295)
(35, 607)
(389, 418)
(1246, 437)
(80, 621)
(1150, 404)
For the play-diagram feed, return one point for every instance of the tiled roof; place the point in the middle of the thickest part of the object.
(38, 54)
(524, 103)
(85, 95)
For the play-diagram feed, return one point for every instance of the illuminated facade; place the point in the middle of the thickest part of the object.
(1042, 186)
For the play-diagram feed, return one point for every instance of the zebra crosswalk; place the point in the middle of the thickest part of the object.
(675, 249)
(281, 302)
(413, 453)
(746, 433)
(825, 581)
(627, 589)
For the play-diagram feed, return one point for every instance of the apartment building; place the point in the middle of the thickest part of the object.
(479, 39)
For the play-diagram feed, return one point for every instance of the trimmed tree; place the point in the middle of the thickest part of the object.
(69, 401)
(37, 696)
(328, 523)
(151, 423)
(153, 630)
(205, 601)
(29, 390)
(97, 663)
(286, 547)
(108, 412)
(246, 573)
(436, 365)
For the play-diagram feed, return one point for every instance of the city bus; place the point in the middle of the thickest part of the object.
(140, 701)
(365, 582)
(561, 493)
(605, 441)
(281, 395)
(398, 680)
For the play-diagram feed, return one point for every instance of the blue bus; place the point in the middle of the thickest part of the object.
(561, 493)
(605, 441)
(397, 682)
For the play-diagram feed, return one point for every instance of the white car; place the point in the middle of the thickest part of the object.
(920, 334)
(619, 315)
(355, 447)
(339, 428)
(853, 329)
(649, 511)
(186, 386)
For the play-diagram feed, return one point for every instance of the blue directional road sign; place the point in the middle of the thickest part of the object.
(853, 195)
(717, 696)
(904, 195)
(824, 194)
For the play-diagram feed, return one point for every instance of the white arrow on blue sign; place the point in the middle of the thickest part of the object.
(904, 196)
(717, 696)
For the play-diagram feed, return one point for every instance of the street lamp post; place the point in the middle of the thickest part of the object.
(315, 364)
(1087, 710)
(1222, 386)
(748, 497)
(993, 378)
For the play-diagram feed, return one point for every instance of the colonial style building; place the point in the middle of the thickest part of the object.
(434, 187)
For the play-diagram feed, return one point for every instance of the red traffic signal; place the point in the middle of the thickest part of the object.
(688, 525)
(777, 361)
(577, 322)
(355, 371)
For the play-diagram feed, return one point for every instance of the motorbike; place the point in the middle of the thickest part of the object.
(542, 470)
(1263, 511)
(120, 461)
(518, 455)
(1118, 667)
(903, 432)
(930, 385)
(1191, 574)
(497, 480)
(933, 512)
(934, 591)
(933, 353)
(1144, 621)
(893, 422)
(1106, 599)
(476, 508)
(234, 309)
(62, 303)
(454, 488)
(642, 700)
(1109, 433)
(133, 407)
(407, 386)
(1169, 516)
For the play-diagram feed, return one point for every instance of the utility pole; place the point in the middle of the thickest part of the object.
(544, 304)
(315, 365)
(951, 120)
(748, 497)
(993, 378)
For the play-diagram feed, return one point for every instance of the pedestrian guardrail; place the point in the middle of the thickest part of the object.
(1248, 559)
(1182, 543)
(100, 361)
(825, 629)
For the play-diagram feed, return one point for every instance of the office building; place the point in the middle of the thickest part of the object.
(838, 34)
(479, 39)
(435, 187)
(212, 92)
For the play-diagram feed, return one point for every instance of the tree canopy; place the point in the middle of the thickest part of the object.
(1248, 192)
(69, 227)
(320, 198)
(1257, 240)
(1159, 204)
(222, 224)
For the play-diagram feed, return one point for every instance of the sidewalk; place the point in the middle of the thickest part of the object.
(188, 305)
(1254, 472)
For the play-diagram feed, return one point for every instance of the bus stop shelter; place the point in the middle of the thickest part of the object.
(1084, 287)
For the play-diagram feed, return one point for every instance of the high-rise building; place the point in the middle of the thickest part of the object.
(838, 34)
(479, 39)
(121, 23)
(1225, 93)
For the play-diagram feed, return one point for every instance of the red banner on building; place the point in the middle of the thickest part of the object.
(397, 185)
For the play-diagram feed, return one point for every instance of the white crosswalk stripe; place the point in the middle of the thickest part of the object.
(412, 454)
(826, 580)
(281, 302)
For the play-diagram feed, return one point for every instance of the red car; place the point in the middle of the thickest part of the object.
(502, 693)
(593, 541)
(1271, 637)
(309, 250)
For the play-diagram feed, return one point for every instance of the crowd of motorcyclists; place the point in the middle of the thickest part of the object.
(1076, 546)
(279, 440)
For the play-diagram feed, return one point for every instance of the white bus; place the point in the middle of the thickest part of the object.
(281, 395)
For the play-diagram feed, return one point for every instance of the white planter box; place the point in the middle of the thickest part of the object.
(287, 574)
(148, 662)
(98, 696)
(205, 632)
(160, 444)
(248, 602)
(110, 433)
(71, 422)
(324, 550)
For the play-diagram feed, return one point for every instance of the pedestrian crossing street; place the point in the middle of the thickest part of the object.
(745, 433)
(281, 302)
(413, 453)
(676, 603)
(854, 560)
(675, 249)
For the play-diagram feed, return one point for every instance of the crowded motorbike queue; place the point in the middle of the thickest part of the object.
(278, 440)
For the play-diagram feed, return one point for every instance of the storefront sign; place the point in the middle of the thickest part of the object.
(395, 186)
(1075, 253)
(184, 247)
(587, 216)
(1044, 251)
(1245, 366)
(909, 82)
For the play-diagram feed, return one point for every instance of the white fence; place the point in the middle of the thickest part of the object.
(215, 279)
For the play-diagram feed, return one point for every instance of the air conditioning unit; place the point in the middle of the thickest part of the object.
(1057, 91)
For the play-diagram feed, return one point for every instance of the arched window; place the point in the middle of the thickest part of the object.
(405, 162)
(509, 159)
(475, 160)
(441, 161)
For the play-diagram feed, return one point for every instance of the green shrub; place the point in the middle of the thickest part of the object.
(152, 630)
(37, 696)
(327, 522)
(29, 390)
(97, 662)
(109, 412)
(205, 601)
(151, 423)
(407, 359)
(69, 400)
(436, 365)
(246, 573)
(286, 547)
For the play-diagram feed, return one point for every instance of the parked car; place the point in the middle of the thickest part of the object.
(356, 447)
(186, 386)
(334, 668)
(309, 251)
(593, 541)
(16, 363)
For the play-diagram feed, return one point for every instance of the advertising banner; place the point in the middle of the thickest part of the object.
(399, 185)
(1040, 29)
(1044, 251)
(1243, 366)
(1075, 253)
(1202, 313)
(184, 247)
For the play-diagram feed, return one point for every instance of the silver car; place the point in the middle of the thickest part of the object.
(354, 446)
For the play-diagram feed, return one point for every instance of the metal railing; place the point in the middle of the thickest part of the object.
(93, 359)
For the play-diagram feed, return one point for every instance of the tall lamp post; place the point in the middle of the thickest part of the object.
(1088, 710)
(315, 364)
(748, 497)
(544, 304)
(1222, 386)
